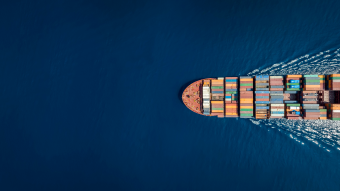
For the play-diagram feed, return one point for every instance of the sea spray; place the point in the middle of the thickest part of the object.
(320, 132)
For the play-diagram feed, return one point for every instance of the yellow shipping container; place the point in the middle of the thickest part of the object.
(247, 79)
(294, 76)
(231, 113)
(335, 75)
(246, 107)
(246, 101)
(217, 111)
(230, 106)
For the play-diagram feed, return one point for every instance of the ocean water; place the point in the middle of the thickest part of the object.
(91, 95)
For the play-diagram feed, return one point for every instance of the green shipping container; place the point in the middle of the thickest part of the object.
(323, 110)
(336, 119)
(293, 84)
(312, 81)
(293, 89)
(216, 87)
(246, 114)
(216, 108)
(246, 84)
(335, 78)
(246, 109)
(293, 104)
(230, 93)
(311, 76)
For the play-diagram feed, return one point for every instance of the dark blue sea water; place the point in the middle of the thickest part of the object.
(91, 94)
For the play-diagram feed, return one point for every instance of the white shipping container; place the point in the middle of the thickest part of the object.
(336, 111)
(336, 80)
(275, 77)
(277, 115)
(220, 78)
(277, 105)
(277, 109)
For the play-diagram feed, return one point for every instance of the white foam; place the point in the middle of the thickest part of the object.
(323, 133)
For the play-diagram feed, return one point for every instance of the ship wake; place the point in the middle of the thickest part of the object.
(324, 133)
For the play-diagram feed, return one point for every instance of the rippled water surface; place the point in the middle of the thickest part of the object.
(91, 95)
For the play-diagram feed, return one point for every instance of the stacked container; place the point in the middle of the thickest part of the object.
(323, 112)
(293, 111)
(277, 110)
(262, 97)
(217, 108)
(276, 83)
(334, 82)
(311, 82)
(217, 89)
(309, 97)
(262, 83)
(322, 82)
(231, 97)
(293, 82)
(311, 111)
(206, 97)
(246, 97)
(276, 97)
(333, 111)
(276, 106)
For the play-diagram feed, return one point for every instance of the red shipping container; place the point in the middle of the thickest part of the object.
(276, 89)
(276, 79)
(294, 118)
(262, 99)
(276, 84)
(246, 104)
(292, 115)
(217, 105)
(244, 97)
(311, 118)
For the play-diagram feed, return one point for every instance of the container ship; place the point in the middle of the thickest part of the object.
(310, 97)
